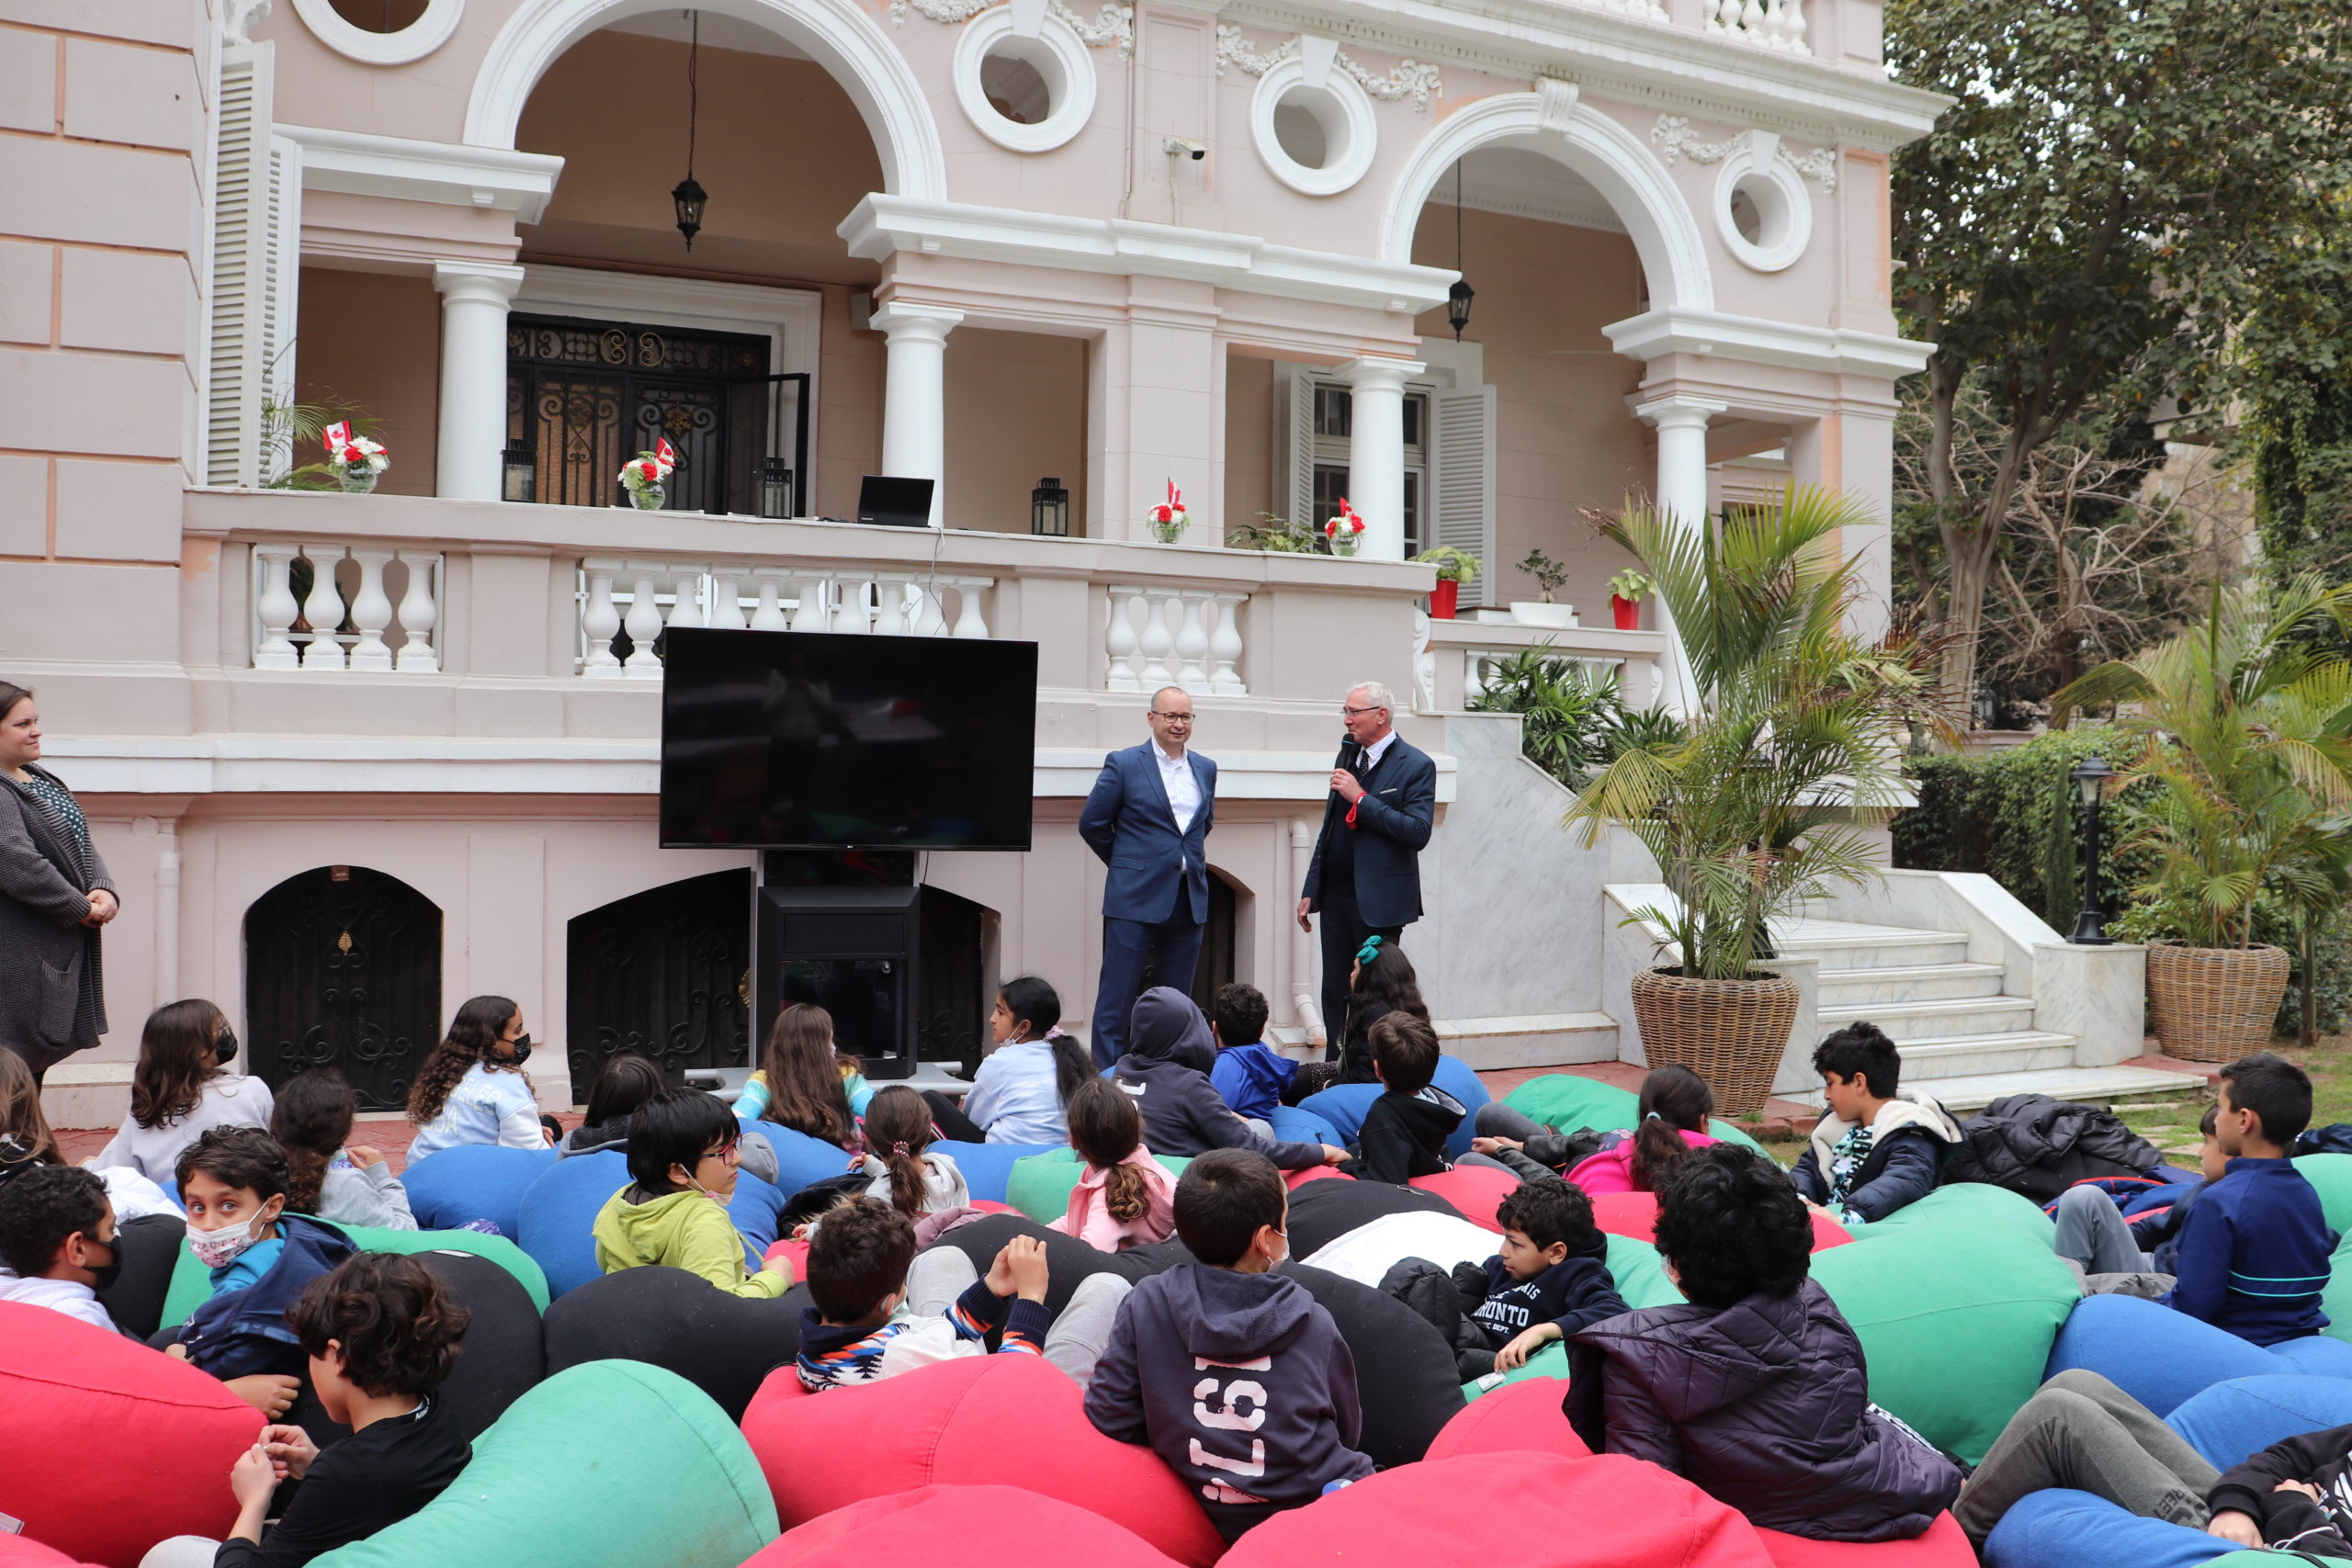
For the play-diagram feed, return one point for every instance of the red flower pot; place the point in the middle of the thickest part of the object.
(1442, 598)
(1628, 612)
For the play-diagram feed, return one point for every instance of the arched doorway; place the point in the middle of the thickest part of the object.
(663, 974)
(342, 970)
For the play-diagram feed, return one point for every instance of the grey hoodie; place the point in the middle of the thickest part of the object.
(1240, 1383)
(1170, 1052)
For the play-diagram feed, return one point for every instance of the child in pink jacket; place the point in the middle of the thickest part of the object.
(1126, 1198)
(1674, 1107)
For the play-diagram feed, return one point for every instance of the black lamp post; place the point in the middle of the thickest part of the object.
(687, 196)
(1049, 509)
(2090, 778)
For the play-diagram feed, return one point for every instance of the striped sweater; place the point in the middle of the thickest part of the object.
(833, 1354)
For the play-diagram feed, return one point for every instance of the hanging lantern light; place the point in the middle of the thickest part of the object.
(688, 195)
(1458, 297)
(521, 474)
(1049, 509)
(776, 487)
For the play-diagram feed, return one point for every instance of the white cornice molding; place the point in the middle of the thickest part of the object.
(881, 225)
(358, 164)
(1752, 340)
(1654, 64)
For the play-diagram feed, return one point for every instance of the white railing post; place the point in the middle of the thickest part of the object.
(600, 620)
(849, 606)
(769, 616)
(891, 607)
(1157, 644)
(685, 595)
(644, 622)
(1225, 646)
(275, 608)
(322, 608)
(808, 612)
(969, 619)
(1121, 668)
(419, 613)
(726, 610)
(371, 610)
(1191, 642)
(930, 609)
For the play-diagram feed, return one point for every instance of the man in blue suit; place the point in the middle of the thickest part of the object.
(1366, 874)
(1147, 816)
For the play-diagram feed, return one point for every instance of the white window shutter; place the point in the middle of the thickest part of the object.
(1462, 479)
(284, 268)
(256, 251)
(1294, 446)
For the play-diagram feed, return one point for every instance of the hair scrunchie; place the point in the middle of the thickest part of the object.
(1053, 1033)
(1370, 950)
(899, 1151)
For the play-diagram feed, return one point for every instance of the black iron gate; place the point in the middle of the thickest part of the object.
(583, 398)
(343, 969)
(662, 973)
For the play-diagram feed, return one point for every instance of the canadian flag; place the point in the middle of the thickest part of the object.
(663, 453)
(338, 435)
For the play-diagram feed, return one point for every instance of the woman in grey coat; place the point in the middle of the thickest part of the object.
(54, 895)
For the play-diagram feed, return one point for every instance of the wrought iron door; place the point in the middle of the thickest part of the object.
(342, 970)
(663, 974)
(584, 397)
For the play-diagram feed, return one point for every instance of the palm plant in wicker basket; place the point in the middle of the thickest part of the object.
(1764, 799)
(2244, 723)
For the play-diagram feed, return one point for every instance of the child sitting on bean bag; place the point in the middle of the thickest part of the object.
(682, 1162)
(1671, 1121)
(1404, 1130)
(1757, 1390)
(381, 1335)
(900, 1172)
(1248, 1073)
(56, 1225)
(881, 1311)
(1126, 1198)
(1872, 1151)
(1549, 1279)
(2133, 1258)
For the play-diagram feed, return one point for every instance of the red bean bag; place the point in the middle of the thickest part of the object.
(111, 1446)
(983, 1420)
(1944, 1546)
(960, 1527)
(1529, 1510)
(1636, 1214)
(19, 1551)
(1519, 1418)
(1295, 1179)
(1475, 1190)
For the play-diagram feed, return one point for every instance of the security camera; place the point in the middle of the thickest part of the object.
(1183, 147)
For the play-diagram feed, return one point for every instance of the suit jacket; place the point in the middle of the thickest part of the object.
(1393, 825)
(1156, 872)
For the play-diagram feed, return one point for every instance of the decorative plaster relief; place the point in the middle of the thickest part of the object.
(1114, 24)
(1410, 78)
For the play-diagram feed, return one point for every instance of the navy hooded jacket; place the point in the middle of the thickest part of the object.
(2253, 1255)
(243, 1332)
(1170, 1052)
(1239, 1383)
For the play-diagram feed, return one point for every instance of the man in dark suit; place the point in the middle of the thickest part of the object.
(1366, 877)
(1147, 816)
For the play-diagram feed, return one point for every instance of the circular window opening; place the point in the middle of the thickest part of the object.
(1017, 78)
(1311, 128)
(1760, 211)
(380, 16)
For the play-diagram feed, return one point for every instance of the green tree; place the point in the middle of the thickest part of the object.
(2117, 187)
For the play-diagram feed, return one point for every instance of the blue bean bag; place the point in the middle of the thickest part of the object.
(1296, 1124)
(2316, 1356)
(2162, 1358)
(755, 1209)
(473, 1182)
(2232, 1421)
(2064, 1528)
(559, 1216)
(988, 1167)
(1343, 1105)
(800, 1158)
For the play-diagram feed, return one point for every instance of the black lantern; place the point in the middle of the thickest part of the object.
(2091, 778)
(1986, 709)
(688, 195)
(521, 475)
(1458, 297)
(776, 487)
(1049, 509)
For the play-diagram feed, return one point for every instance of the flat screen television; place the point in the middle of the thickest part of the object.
(824, 741)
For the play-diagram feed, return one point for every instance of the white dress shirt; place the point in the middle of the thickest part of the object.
(1373, 753)
(1184, 789)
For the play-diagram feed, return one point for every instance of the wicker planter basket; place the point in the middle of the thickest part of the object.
(2213, 1004)
(1730, 1033)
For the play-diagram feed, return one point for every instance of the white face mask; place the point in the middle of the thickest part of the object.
(218, 1249)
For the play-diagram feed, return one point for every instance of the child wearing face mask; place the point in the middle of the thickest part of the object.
(682, 1166)
(57, 1236)
(182, 1087)
(472, 1089)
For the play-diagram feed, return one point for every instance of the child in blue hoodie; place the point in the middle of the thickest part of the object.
(1234, 1374)
(1248, 1073)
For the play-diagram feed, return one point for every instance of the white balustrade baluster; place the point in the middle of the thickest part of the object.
(849, 606)
(808, 613)
(600, 620)
(969, 619)
(1191, 641)
(644, 622)
(322, 608)
(769, 616)
(419, 613)
(1424, 664)
(685, 596)
(1751, 20)
(930, 609)
(1119, 642)
(891, 607)
(1474, 683)
(371, 610)
(1793, 28)
(1158, 642)
(275, 608)
(1224, 647)
(727, 596)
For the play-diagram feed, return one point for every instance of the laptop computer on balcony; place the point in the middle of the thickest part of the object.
(905, 503)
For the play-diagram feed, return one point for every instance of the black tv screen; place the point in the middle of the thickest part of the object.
(832, 741)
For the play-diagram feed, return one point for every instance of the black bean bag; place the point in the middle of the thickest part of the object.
(504, 1354)
(150, 1248)
(1067, 1260)
(1405, 1378)
(1323, 1211)
(722, 1344)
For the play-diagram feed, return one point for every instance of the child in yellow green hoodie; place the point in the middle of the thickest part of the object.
(673, 1211)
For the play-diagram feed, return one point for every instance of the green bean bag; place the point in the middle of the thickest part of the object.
(1040, 1184)
(1970, 1205)
(613, 1464)
(190, 1283)
(1956, 1318)
(1567, 1102)
(2331, 1175)
(1641, 1279)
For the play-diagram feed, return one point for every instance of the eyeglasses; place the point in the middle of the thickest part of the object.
(1171, 717)
(1358, 713)
(723, 1151)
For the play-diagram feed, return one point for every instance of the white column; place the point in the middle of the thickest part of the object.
(1681, 424)
(473, 376)
(914, 394)
(1376, 453)
(167, 911)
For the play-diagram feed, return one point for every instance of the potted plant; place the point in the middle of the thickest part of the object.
(1168, 519)
(1276, 534)
(2243, 723)
(1345, 531)
(1766, 795)
(1549, 575)
(354, 461)
(1626, 591)
(643, 474)
(1454, 568)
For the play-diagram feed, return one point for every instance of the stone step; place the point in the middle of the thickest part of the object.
(1843, 946)
(1908, 1023)
(1491, 1045)
(2092, 1086)
(1925, 982)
